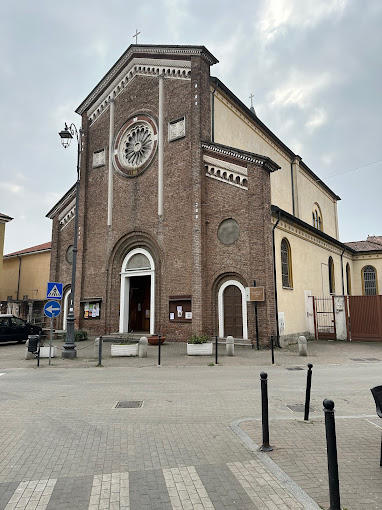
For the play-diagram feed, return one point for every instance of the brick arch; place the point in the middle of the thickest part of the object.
(127, 243)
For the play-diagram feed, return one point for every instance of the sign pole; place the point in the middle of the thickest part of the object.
(51, 338)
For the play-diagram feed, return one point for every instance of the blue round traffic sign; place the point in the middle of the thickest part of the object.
(52, 309)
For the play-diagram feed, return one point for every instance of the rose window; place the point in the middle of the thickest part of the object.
(135, 145)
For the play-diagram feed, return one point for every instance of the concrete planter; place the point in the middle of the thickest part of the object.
(124, 350)
(44, 352)
(199, 349)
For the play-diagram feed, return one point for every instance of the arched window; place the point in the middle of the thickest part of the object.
(348, 279)
(369, 281)
(317, 217)
(286, 264)
(332, 283)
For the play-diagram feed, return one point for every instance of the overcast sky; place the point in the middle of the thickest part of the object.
(314, 67)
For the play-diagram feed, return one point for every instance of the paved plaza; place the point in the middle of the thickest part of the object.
(193, 444)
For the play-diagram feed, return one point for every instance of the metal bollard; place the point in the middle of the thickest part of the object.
(159, 342)
(264, 413)
(331, 444)
(100, 342)
(273, 351)
(216, 350)
(307, 393)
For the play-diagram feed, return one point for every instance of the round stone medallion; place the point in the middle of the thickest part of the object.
(69, 254)
(135, 145)
(228, 231)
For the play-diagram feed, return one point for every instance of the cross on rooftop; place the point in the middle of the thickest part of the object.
(136, 35)
(251, 98)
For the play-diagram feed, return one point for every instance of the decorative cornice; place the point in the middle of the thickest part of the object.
(226, 172)
(175, 69)
(62, 202)
(249, 157)
(175, 51)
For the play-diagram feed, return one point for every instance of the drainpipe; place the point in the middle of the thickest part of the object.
(213, 112)
(18, 282)
(274, 275)
(292, 183)
(342, 272)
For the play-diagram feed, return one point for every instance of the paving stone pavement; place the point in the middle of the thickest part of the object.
(65, 446)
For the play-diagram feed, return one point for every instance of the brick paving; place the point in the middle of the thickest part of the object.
(62, 434)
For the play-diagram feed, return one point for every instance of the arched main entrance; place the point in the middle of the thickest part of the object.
(232, 308)
(137, 292)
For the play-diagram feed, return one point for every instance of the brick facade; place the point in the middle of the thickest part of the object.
(188, 256)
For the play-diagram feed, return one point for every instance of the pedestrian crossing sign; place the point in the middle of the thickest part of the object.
(54, 290)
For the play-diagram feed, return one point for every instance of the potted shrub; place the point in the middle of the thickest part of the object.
(126, 347)
(199, 345)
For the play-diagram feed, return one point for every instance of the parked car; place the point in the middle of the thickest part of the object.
(14, 329)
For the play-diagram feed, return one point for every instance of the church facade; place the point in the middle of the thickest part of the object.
(187, 199)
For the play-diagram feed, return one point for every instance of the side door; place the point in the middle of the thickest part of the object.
(5, 330)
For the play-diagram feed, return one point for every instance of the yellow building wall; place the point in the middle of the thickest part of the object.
(310, 272)
(309, 193)
(2, 235)
(34, 276)
(359, 262)
(233, 128)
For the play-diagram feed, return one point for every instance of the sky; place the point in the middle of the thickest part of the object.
(313, 66)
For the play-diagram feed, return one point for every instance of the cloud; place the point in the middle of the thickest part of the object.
(318, 118)
(98, 48)
(282, 15)
(15, 189)
(177, 15)
(299, 90)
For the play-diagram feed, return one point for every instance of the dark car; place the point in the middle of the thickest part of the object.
(14, 329)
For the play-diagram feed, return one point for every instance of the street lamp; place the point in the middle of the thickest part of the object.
(66, 136)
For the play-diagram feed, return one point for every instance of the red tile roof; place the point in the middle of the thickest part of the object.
(39, 247)
(372, 243)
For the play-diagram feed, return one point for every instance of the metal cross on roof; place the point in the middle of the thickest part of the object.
(136, 35)
(251, 98)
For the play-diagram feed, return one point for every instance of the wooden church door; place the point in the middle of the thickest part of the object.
(233, 313)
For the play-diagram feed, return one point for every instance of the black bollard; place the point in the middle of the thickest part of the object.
(307, 394)
(100, 341)
(331, 445)
(264, 413)
(216, 350)
(273, 351)
(159, 342)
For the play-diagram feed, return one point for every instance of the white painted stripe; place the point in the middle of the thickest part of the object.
(186, 489)
(109, 491)
(32, 495)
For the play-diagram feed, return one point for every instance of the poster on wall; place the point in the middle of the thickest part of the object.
(91, 310)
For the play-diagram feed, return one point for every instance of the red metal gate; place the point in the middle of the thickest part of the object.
(324, 318)
(366, 318)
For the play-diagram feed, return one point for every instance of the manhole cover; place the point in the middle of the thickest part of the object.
(299, 408)
(295, 368)
(131, 404)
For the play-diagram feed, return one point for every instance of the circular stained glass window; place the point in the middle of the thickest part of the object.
(135, 145)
